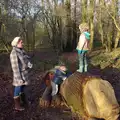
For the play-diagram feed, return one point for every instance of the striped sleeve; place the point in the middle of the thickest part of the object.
(15, 65)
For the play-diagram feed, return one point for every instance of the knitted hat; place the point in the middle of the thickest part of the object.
(15, 41)
(87, 35)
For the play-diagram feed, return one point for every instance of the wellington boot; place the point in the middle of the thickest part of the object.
(17, 104)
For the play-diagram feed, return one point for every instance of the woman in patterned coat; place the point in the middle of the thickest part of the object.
(20, 65)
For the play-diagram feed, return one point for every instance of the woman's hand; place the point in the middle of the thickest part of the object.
(30, 65)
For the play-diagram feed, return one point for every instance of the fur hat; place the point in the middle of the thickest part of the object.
(83, 27)
(15, 41)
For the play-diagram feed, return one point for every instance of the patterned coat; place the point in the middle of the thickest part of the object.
(19, 63)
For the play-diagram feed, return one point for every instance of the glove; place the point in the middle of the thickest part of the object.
(64, 78)
(30, 65)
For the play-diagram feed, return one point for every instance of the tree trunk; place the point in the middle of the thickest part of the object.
(84, 10)
(117, 39)
(68, 26)
(74, 39)
(100, 28)
(91, 16)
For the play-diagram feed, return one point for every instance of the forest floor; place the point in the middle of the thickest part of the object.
(34, 91)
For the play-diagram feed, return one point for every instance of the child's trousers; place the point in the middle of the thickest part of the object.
(54, 88)
(83, 65)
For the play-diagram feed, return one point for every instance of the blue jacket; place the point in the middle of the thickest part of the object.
(59, 76)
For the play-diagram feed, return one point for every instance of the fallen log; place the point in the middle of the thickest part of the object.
(87, 95)
(90, 97)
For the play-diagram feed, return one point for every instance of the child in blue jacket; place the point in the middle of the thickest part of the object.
(60, 75)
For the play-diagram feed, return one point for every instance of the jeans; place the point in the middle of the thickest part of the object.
(54, 88)
(83, 65)
(18, 90)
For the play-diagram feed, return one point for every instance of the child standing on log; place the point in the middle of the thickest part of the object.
(83, 47)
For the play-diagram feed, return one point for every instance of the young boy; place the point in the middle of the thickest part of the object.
(59, 76)
(83, 47)
(53, 80)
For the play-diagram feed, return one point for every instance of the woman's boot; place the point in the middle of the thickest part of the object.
(17, 104)
(23, 100)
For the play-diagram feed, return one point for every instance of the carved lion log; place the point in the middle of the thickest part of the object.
(90, 96)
